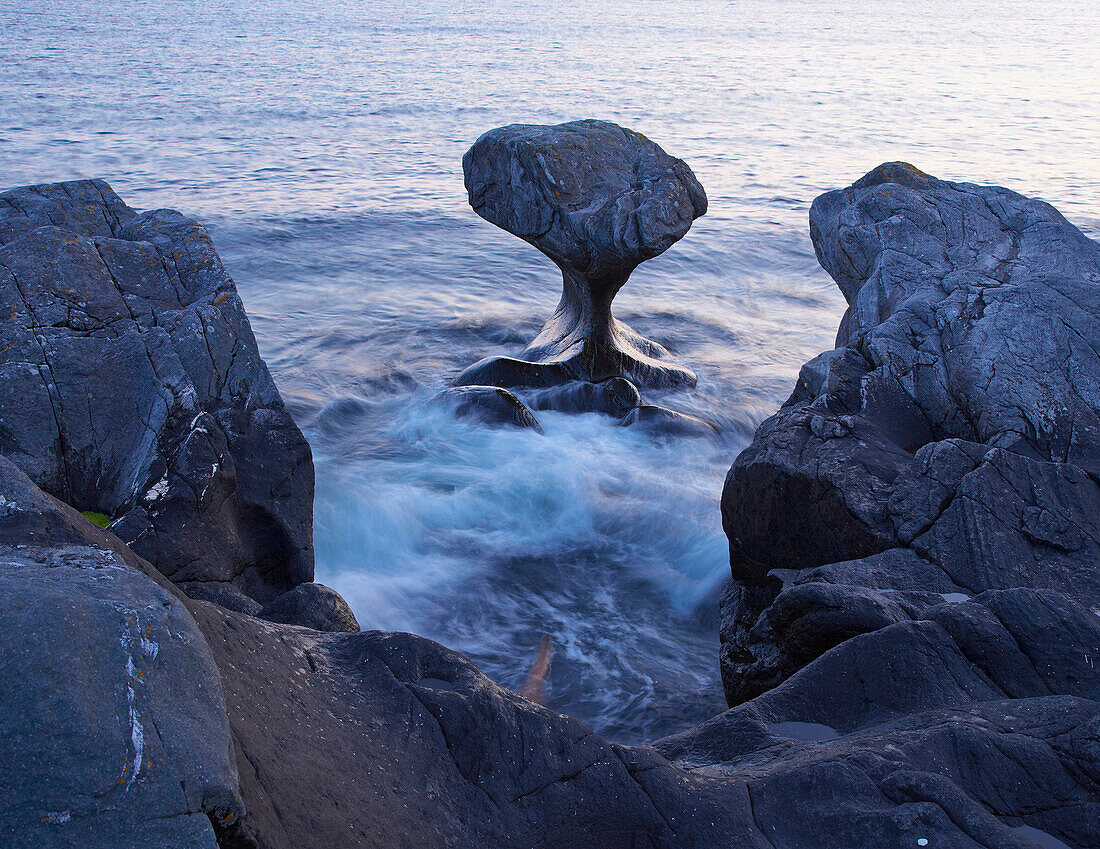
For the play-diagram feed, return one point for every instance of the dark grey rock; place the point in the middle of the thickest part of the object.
(377, 739)
(133, 387)
(667, 422)
(31, 518)
(227, 595)
(615, 396)
(913, 738)
(597, 199)
(489, 405)
(311, 606)
(113, 726)
(945, 719)
(951, 437)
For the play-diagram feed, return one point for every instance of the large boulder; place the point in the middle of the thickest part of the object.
(974, 725)
(949, 446)
(926, 730)
(113, 727)
(597, 199)
(133, 388)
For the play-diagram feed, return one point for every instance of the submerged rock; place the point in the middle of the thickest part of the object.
(133, 388)
(490, 405)
(949, 445)
(668, 422)
(597, 199)
(615, 396)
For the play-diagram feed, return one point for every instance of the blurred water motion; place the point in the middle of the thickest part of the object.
(321, 143)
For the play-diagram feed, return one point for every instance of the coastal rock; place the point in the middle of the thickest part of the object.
(935, 685)
(598, 200)
(311, 606)
(133, 388)
(428, 752)
(918, 731)
(667, 422)
(948, 446)
(615, 396)
(941, 730)
(114, 728)
(489, 405)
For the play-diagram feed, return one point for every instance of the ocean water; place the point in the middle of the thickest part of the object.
(321, 144)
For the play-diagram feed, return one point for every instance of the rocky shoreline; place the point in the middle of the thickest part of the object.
(909, 639)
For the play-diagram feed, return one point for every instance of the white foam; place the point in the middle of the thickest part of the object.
(485, 538)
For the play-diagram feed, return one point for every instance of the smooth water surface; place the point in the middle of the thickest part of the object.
(321, 143)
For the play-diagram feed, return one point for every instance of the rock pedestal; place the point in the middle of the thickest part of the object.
(597, 199)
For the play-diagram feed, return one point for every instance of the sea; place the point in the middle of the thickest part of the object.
(320, 141)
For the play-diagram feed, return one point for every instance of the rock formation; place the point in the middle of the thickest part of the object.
(133, 388)
(114, 728)
(489, 405)
(937, 688)
(947, 449)
(598, 200)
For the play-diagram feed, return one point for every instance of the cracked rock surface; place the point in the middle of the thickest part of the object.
(114, 731)
(597, 199)
(939, 470)
(133, 388)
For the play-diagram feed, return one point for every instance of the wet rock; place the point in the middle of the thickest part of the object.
(490, 405)
(667, 422)
(613, 397)
(113, 726)
(897, 735)
(429, 752)
(312, 606)
(597, 199)
(133, 388)
(949, 445)
(924, 730)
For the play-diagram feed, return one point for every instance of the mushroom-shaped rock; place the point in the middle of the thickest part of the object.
(597, 199)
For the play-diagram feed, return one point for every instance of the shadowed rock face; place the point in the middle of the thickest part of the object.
(113, 726)
(133, 387)
(940, 716)
(597, 199)
(920, 730)
(949, 446)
